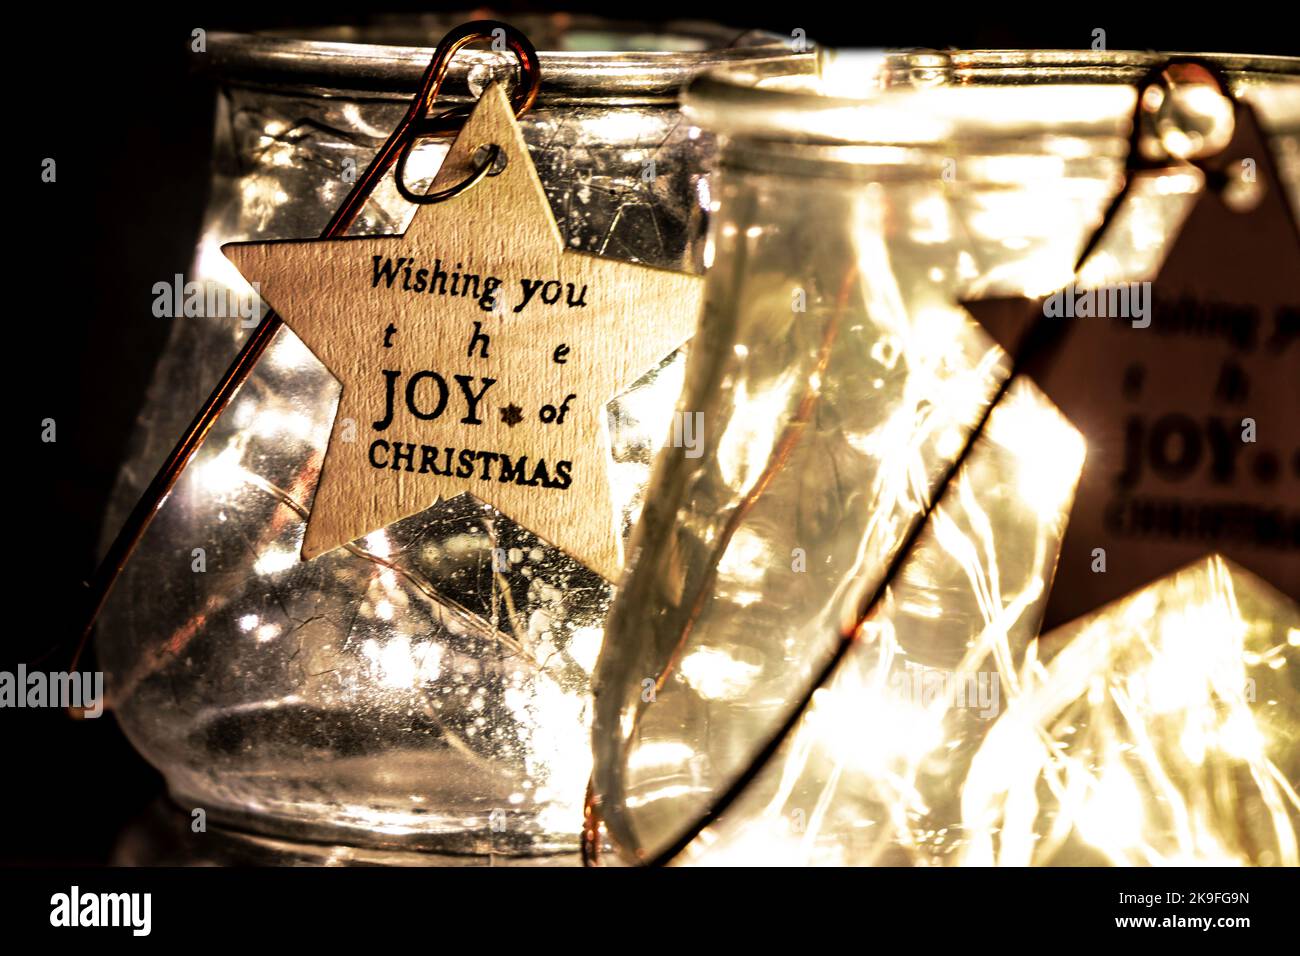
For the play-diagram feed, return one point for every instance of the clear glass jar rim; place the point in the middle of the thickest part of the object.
(923, 98)
(657, 64)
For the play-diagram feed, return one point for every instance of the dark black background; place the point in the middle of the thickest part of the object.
(125, 109)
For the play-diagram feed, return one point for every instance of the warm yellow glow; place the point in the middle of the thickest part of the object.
(716, 673)
(1146, 739)
(224, 472)
(1049, 454)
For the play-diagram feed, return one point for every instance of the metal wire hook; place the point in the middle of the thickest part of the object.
(483, 168)
(417, 123)
(450, 121)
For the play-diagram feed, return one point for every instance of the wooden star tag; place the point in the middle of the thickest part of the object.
(476, 354)
(1186, 389)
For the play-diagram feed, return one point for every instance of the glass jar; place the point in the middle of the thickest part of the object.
(746, 712)
(406, 691)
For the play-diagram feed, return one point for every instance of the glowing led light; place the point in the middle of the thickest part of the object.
(747, 440)
(223, 473)
(584, 646)
(715, 674)
(1049, 452)
(377, 543)
(660, 753)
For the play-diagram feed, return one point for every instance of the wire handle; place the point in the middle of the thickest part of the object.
(1175, 71)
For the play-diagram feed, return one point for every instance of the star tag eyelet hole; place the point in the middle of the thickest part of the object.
(492, 156)
(488, 160)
